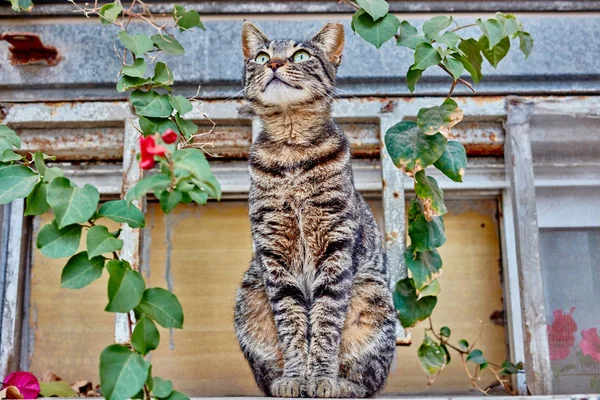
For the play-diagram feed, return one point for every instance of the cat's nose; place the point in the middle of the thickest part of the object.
(275, 63)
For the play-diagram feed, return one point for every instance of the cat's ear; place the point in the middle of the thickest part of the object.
(331, 40)
(252, 39)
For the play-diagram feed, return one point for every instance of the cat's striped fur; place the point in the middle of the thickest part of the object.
(314, 315)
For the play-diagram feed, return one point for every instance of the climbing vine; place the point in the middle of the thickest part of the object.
(414, 146)
(167, 141)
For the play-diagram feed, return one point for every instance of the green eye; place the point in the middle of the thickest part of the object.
(300, 56)
(262, 58)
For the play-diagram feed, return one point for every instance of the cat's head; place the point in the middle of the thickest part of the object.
(287, 72)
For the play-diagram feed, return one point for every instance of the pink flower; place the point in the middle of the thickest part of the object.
(590, 344)
(561, 335)
(169, 136)
(149, 149)
(26, 382)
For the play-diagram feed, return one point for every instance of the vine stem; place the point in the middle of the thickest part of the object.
(458, 28)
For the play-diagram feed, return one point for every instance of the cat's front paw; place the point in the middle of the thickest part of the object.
(327, 387)
(286, 387)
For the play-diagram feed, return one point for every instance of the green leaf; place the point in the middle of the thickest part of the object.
(168, 44)
(138, 44)
(508, 22)
(126, 83)
(150, 126)
(16, 182)
(162, 388)
(80, 271)
(181, 104)
(450, 39)
(509, 368)
(439, 118)
(476, 356)
(122, 372)
(21, 5)
(10, 136)
(472, 59)
(453, 162)
(169, 200)
(432, 197)
(424, 266)
(375, 32)
(412, 77)
(426, 56)
(424, 235)
(8, 155)
(100, 241)
(492, 30)
(148, 184)
(123, 212)
(71, 205)
(410, 149)
(163, 307)
(409, 36)
(53, 172)
(145, 337)
(57, 243)
(431, 356)
(151, 104)
(135, 70)
(525, 43)
(436, 24)
(375, 8)
(463, 345)
(186, 19)
(57, 389)
(110, 12)
(410, 310)
(187, 127)
(162, 75)
(497, 53)
(176, 396)
(194, 162)
(199, 196)
(445, 331)
(36, 200)
(125, 287)
(455, 67)
(433, 289)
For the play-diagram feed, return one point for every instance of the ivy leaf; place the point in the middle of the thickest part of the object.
(433, 289)
(431, 195)
(168, 44)
(125, 287)
(16, 182)
(176, 396)
(375, 8)
(492, 30)
(169, 200)
(162, 388)
(150, 126)
(136, 70)
(122, 372)
(425, 267)
(126, 83)
(53, 172)
(439, 118)
(8, 155)
(186, 19)
(375, 32)
(476, 356)
(148, 184)
(151, 104)
(181, 104)
(100, 241)
(163, 307)
(145, 337)
(432, 357)
(110, 12)
(412, 77)
(472, 58)
(409, 36)
(410, 310)
(80, 271)
(410, 149)
(57, 389)
(426, 56)
(36, 200)
(162, 75)
(10, 136)
(453, 162)
(497, 53)
(424, 235)
(455, 67)
(445, 331)
(436, 24)
(508, 22)
(138, 44)
(123, 212)
(194, 162)
(508, 368)
(525, 43)
(199, 196)
(21, 5)
(187, 127)
(463, 345)
(71, 205)
(450, 39)
(57, 243)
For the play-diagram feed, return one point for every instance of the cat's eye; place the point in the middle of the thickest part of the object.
(262, 58)
(300, 55)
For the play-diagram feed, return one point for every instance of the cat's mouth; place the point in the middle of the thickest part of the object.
(277, 80)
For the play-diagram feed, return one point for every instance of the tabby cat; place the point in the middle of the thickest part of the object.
(314, 314)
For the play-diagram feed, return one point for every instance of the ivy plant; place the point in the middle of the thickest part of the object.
(428, 142)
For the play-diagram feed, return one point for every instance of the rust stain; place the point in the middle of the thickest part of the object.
(388, 107)
(487, 99)
(396, 195)
(27, 48)
(484, 149)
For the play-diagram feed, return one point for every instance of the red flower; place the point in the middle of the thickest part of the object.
(561, 335)
(149, 149)
(26, 382)
(590, 344)
(169, 136)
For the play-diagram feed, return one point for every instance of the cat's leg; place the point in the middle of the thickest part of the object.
(368, 337)
(256, 331)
